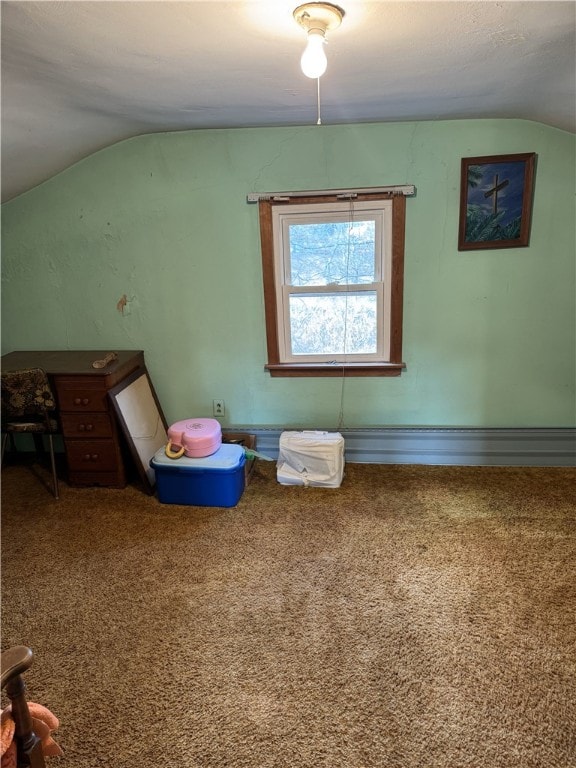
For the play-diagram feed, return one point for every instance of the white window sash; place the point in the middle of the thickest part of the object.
(382, 346)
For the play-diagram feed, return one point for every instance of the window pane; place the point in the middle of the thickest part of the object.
(333, 252)
(333, 324)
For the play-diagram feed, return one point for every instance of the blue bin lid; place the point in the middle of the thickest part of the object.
(228, 456)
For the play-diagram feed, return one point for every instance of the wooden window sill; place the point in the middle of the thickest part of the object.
(326, 370)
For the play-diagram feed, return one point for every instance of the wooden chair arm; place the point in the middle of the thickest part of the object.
(15, 661)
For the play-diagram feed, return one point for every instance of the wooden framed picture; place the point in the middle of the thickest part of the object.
(141, 420)
(496, 194)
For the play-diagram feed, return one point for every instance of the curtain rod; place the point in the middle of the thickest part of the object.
(402, 189)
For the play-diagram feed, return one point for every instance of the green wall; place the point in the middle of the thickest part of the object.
(489, 336)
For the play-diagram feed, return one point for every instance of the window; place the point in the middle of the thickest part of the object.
(333, 283)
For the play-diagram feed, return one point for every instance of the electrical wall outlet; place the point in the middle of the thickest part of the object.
(218, 407)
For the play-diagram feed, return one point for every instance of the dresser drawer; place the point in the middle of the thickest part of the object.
(92, 455)
(93, 425)
(79, 394)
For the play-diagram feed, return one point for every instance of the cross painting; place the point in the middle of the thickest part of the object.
(496, 201)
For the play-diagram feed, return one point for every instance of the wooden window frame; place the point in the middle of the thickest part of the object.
(274, 366)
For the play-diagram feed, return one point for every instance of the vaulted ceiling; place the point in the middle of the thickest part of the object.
(80, 75)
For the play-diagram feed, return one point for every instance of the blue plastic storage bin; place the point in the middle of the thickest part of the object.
(212, 481)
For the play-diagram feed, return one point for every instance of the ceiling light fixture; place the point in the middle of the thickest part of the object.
(316, 19)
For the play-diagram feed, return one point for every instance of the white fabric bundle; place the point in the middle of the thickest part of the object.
(311, 458)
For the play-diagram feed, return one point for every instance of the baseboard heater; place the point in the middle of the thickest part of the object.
(530, 447)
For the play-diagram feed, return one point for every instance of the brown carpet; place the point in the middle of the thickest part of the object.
(417, 617)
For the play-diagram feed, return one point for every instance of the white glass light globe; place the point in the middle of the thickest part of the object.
(314, 61)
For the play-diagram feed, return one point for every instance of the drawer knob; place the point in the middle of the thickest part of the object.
(91, 457)
(81, 427)
(85, 427)
(81, 400)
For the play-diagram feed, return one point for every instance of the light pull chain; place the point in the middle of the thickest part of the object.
(319, 121)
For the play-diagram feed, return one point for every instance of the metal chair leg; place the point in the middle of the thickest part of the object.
(53, 463)
(4, 439)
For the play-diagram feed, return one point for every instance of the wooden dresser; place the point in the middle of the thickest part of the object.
(94, 455)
